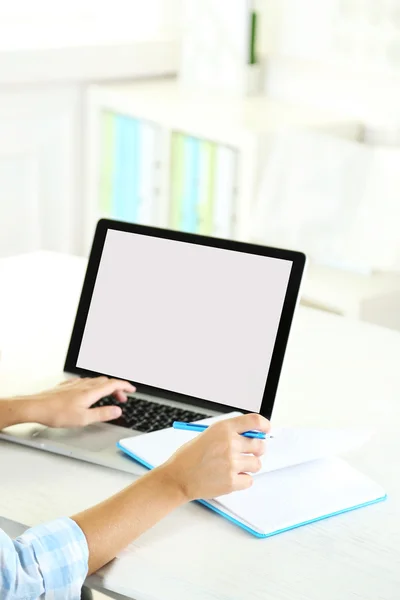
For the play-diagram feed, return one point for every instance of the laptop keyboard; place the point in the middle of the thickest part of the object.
(145, 416)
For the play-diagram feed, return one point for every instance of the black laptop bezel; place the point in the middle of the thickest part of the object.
(298, 260)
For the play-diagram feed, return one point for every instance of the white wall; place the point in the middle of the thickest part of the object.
(337, 54)
(49, 52)
(25, 21)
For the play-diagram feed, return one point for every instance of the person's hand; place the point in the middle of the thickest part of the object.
(219, 460)
(69, 404)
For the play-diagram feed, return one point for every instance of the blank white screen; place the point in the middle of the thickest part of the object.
(187, 318)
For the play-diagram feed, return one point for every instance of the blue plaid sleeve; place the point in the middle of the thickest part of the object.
(48, 562)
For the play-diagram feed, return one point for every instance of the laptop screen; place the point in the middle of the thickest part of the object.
(188, 318)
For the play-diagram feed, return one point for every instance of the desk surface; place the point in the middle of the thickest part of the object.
(337, 373)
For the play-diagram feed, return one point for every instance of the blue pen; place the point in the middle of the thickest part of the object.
(198, 427)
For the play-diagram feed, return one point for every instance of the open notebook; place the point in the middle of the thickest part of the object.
(301, 480)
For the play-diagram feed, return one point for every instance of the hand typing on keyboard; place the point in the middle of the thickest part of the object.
(145, 416)
(70, 404)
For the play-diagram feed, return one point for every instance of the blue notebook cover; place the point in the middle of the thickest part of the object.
(246, 527)
(191, 150)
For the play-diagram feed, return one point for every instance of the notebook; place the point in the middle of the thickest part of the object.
(301, 480)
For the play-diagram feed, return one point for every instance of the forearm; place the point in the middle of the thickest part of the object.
(16, 410)
(110, 526)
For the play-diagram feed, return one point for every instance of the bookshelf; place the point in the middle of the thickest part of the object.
(162, 154)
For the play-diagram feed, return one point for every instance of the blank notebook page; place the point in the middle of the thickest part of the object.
(294, 446)
(296, 495)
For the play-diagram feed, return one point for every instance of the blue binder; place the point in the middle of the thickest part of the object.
(191, 149)
(125, 197)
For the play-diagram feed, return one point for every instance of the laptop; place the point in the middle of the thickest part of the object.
(199, 325)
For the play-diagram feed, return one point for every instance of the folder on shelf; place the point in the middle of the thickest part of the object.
(191, 148)
(301, 480)
(206, 187)
(177, 179)
(224, 192)
(146, 211)
(125, 197)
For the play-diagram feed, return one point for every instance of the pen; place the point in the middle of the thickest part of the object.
(198, 427)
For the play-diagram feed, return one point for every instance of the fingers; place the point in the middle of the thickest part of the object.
(248, 423)
(247, 463)
(99, 387)
(98, 382)
(233, 441)
(102, 414)
(251, 446)
(113, 386)
(120, 397)
(243, 481)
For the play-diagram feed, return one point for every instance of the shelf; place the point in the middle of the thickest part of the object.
(96, 59)
(215, 115)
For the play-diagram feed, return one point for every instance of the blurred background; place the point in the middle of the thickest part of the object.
(273, 121)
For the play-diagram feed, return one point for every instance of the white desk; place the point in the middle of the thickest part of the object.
(337, 373)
